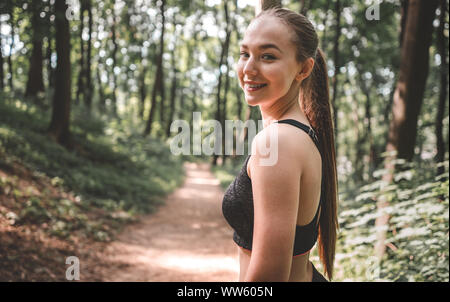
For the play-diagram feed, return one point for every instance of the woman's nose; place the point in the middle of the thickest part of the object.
(250, 67)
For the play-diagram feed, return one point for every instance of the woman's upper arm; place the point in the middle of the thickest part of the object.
(276, 190)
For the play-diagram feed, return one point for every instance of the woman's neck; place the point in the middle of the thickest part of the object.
(277, 112)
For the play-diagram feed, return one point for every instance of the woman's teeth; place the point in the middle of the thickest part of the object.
(256, 86)
(251, 87)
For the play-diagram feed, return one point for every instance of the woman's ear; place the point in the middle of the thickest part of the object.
(307, 68)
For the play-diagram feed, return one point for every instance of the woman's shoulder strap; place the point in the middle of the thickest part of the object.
(309, 130)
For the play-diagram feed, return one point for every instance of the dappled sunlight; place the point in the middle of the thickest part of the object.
(203, 181)
(198, 263)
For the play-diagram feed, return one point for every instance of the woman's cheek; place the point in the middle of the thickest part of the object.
(239, 72)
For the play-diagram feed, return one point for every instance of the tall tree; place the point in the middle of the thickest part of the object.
(324, 34)
(412, 77)
(173, 91)
(442, 50)
(50, 33)
(84, 84)
(142, 88)
(114, 56)
(408, 96)
(2, 75)
(192, 45)
(11, 47)
(227, 82)
(88, 71)
(173, 88)
(237, 89)
(59, 125)
(158, 86)
(219, 100)
(35, 83)
(337, 10)
(82, 65)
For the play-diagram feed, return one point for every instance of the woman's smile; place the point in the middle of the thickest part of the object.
(253, 87)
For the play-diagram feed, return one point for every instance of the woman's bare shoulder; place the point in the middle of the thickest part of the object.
(285, 137)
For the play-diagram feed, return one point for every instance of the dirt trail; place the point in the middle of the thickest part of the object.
(187, 239)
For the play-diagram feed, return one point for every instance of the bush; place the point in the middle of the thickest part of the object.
(113, 170)
(417, 235)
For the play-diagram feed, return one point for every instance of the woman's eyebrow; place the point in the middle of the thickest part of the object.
(264, 46)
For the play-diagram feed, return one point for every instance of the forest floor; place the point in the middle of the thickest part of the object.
(186, 239)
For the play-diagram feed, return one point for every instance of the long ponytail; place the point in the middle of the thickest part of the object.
(315, 102)
(314, 99)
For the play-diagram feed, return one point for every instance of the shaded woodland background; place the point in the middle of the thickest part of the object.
(86, 104)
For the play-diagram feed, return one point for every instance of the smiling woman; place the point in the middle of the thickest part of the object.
(279, 211)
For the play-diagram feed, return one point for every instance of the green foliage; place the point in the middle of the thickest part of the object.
(119, 172)
(417, 236)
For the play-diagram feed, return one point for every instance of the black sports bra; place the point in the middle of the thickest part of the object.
(237, 207)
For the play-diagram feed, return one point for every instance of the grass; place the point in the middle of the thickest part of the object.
(112, 170)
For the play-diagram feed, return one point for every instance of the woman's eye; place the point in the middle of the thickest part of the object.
(264, 56)
(268, 57)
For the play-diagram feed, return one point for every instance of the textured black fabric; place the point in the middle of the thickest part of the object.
(238, 209)
(317, 277)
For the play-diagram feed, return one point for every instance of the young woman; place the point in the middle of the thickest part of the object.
(279, 211)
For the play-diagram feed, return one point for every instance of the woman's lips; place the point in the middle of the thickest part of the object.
(254, 87)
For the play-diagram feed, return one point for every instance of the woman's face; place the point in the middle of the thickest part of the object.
(267, 65)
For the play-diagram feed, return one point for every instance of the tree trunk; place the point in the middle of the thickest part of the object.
(173, 88)
(173, 91)
(158, 84)
(442, 50)
(218, 99)
(35, 83)
(49, 49)
(82, 65)
(88, 71)
(2, 75)
(337, 10)
(367, 125)
(84, 85)
(101, 94)
(142, 90)
(237, 89)
(11, 47)
(412, 78)
(408, 98)
(404, 14)
(59, 125)
(192, 83)
(223, 58)
(227, 81)
(114, 58)
(324, 35)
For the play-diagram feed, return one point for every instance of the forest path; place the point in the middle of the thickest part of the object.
(187, 239)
